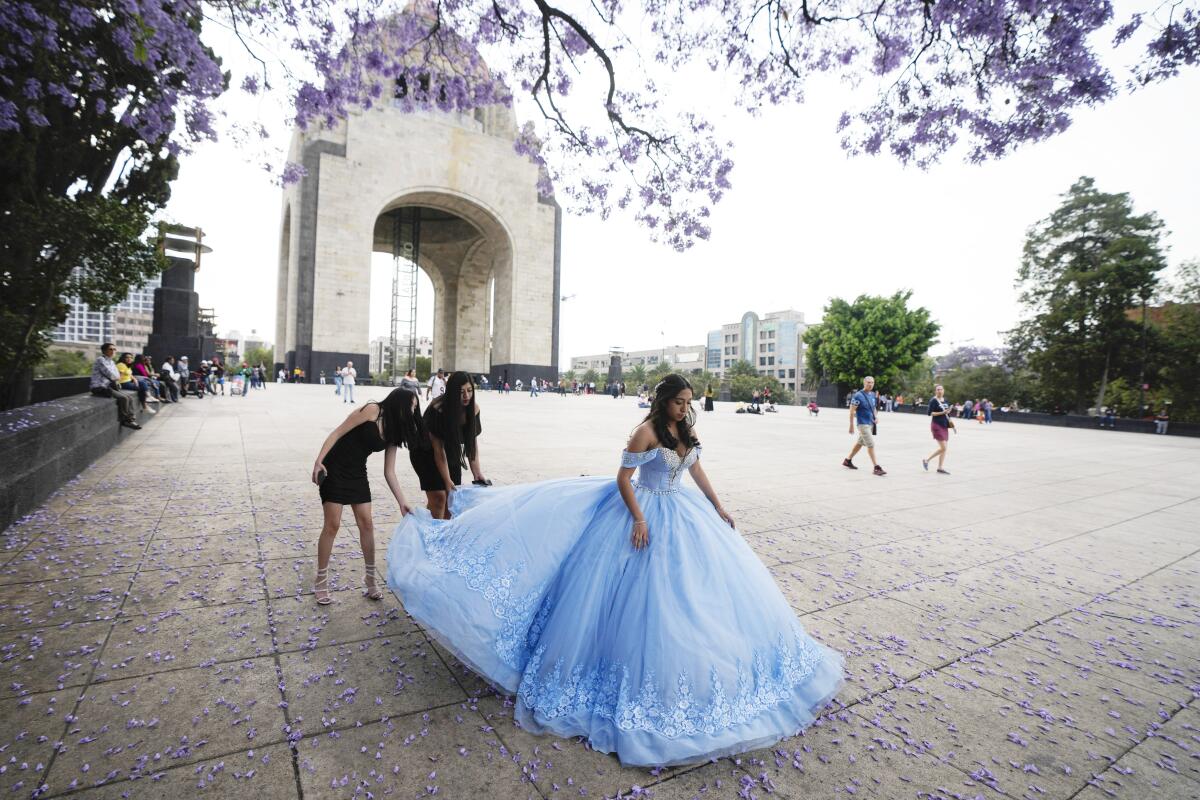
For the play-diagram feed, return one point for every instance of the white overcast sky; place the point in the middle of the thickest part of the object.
(803, 223)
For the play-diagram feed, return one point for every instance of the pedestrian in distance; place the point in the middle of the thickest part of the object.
(862, 415)
(939, 425)
(410, 382)
(436, 387)
(349, 378)
(1161, 420)
(340, 473)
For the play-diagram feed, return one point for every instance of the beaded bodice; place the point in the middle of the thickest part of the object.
(661, 469)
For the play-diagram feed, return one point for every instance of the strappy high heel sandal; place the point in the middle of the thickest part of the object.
(319, 590)
(373, 591)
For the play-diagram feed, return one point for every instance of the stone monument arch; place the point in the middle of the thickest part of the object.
(488, 241)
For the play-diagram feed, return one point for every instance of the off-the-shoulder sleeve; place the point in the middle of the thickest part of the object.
(630, 460)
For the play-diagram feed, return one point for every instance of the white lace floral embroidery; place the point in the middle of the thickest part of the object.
(605, 691)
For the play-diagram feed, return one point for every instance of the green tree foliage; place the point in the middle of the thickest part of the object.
(636, 375)
(591, 376)
(424, 368)
(996, 382)
(1175, 348)
(916, 381)
(569, 376)
(79, 181)
(1084, 267)
(739, 369)
(879, 336)
(63, 364)
(260, 355)
(659, 371)
(744, 379)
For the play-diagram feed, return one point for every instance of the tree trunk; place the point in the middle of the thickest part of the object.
(18, 391)
(1103, 382)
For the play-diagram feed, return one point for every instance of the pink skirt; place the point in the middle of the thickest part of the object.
(939, 433)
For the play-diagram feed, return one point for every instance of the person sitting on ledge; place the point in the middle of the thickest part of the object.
(128, 381)
(105, 383)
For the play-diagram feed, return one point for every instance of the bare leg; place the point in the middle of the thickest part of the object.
(366, 539)
(436, 503)
(329, 531)
(854, 452)
(870, 454)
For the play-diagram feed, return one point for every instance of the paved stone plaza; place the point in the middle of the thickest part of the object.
(1024, 628)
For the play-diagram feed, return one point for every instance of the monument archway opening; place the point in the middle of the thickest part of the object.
(463, 250)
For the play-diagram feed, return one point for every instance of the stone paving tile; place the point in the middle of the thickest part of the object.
(49, 603)
(173, 526)
(30, 736)
(1135, 778)
(1174, 745)
(266, 773)
(568, 764)
(445, 751)
(47, 559)
(845, 755)
(190, 637)
(195, 551)
(900, 629)
(43, 659)
(155, 591)
(298, 623)
(359, 682)
(1043, 730)
(1156, 657)
(126, 727)
(947, 599)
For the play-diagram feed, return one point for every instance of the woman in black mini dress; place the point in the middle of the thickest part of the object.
(451, 430)
(341, 473)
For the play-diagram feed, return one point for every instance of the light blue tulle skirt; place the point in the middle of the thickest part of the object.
(676, 653)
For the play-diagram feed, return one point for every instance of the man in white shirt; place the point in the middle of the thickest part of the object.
(170, 377)
(437, 385)
(349, 373)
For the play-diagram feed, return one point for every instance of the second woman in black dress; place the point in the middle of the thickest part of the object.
(341, 473)
(451, 431)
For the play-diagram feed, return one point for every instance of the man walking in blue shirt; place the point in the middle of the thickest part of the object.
(862, 413)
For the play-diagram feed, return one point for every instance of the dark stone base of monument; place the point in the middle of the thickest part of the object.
(196, 348)
(313, 361)
(47, 444)
(176, 312)
(518, 372)
(830, 395)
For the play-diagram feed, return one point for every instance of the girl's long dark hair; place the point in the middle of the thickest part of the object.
(667, 390)
(401, 423)
(460, 419)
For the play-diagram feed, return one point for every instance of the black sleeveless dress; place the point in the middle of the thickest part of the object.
(346, 465)
(422, 458)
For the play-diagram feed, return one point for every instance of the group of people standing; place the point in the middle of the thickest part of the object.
(626, 611)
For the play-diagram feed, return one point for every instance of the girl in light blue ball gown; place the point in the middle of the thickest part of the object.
(631, 612)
